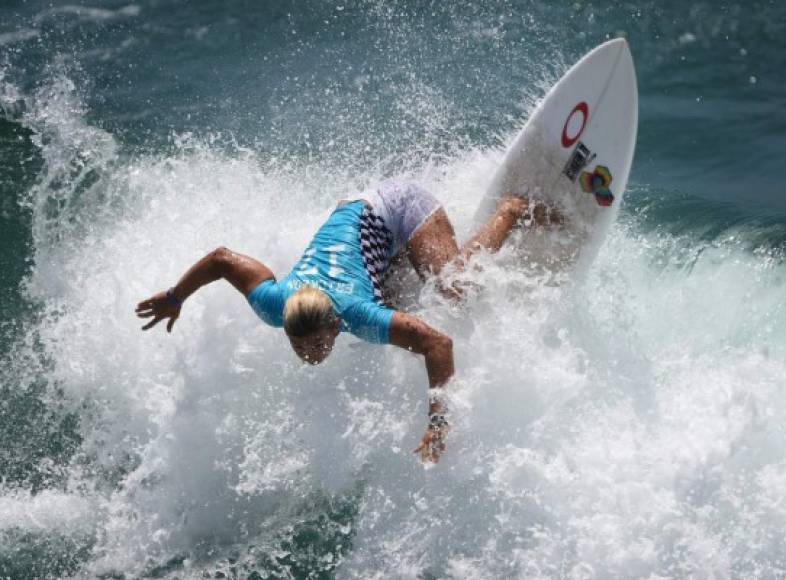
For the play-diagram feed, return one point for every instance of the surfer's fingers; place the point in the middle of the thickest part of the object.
(424, 448)
(152, 323)
(171, 323)
(145, 313)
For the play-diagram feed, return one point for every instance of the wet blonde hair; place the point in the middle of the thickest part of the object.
(308, 310)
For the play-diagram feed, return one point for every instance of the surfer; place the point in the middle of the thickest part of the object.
(337, 284)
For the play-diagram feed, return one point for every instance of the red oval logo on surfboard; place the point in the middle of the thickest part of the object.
(569, 140)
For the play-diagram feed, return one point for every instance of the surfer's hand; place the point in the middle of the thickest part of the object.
(158, 307)
(432, 445)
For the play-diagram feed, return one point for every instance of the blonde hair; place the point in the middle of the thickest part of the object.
(306, 311)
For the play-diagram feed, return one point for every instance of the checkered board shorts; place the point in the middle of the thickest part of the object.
(376, 241)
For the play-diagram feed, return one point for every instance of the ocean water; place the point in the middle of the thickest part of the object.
(631, 425)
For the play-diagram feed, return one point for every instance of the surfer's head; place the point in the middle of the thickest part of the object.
(310, 324)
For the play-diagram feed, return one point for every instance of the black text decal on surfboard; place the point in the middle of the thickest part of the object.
(579, 114)
(579, 159)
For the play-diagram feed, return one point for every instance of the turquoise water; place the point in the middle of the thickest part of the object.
(627, 427)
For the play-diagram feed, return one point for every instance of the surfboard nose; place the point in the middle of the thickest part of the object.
(614, 47)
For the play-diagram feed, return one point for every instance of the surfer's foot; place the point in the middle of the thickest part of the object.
(528, 212)
(545, 215)
(534, 212)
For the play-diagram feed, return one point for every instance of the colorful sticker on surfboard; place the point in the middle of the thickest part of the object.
(598, 183)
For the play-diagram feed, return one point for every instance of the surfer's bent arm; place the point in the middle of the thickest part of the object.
(243, 272)
(411, 333)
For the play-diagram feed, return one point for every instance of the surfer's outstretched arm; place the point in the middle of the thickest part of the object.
(411, 333)
(243, 272)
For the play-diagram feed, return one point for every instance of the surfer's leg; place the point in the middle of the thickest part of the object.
(433, 245)
(419, 223)
(492, 234)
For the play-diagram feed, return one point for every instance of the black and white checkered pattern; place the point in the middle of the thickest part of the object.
(375, 245)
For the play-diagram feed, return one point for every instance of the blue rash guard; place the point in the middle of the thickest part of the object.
(342, 263)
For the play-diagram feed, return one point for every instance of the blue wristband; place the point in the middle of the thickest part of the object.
(172, 299)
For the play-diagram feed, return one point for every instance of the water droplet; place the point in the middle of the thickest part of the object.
(687, 38)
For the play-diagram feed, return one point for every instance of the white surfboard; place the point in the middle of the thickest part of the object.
(576, 149)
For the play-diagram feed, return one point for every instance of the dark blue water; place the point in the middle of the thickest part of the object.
(641, 435)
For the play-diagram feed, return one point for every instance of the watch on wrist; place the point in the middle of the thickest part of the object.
(437, 421)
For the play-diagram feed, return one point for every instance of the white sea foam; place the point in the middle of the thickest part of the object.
(88, 13)
(20, 35)
(629, 426)
(47, 511)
